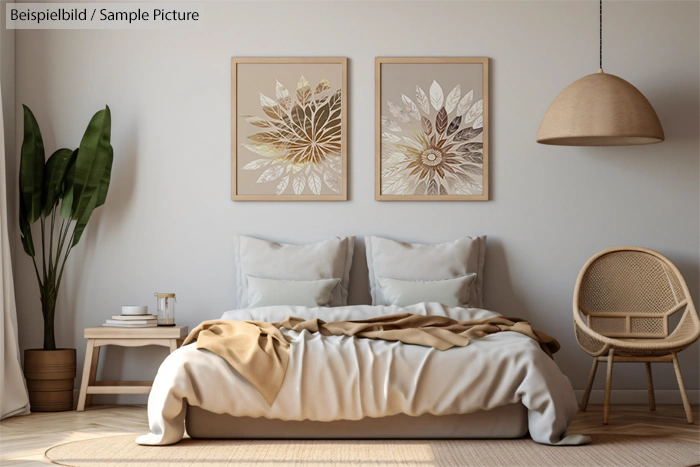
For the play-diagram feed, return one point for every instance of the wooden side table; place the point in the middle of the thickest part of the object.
(166, 336)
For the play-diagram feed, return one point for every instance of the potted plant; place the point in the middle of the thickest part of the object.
(59, 193)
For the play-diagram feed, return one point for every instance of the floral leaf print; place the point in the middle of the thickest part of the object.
(467, 134)
(422, 100)
(303, 91)
(441, 156)
(283, 97)
(454, 125)
(436, 96)
(398, 112)
(323, 85)
(390, 138)
(271, 173)
(302, 142)
(298, 185)
(475, 111)
(332, 181)
(262, 150)
(256, 121)
(257, 164)
(282, 185)
(452, 99)
(390, 125)
(441, 121)
(464, 104)
(315, 183)
(411, 107)
(427, 126)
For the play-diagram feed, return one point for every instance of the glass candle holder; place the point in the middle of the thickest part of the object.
(166, 308)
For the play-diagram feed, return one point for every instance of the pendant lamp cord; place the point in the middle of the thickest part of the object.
(601, 34)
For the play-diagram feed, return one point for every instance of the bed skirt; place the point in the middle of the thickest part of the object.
(508, 421)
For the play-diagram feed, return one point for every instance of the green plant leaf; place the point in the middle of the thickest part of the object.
(106, 176)
(25, 229)
(82, 222)
(54, 177)
(91, 162)
(31, 169)
(66, 194)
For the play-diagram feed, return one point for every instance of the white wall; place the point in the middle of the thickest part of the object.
(169, 220)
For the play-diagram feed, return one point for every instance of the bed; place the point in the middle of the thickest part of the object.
(500, 386)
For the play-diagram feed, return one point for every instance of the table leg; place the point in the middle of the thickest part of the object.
(173, 345)
(93, 373)
(86, 374)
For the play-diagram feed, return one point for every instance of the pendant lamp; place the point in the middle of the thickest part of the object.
(600, 110)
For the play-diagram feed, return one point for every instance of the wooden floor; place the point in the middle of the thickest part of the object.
(23, 440)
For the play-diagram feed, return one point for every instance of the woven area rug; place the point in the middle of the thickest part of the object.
(606, 450)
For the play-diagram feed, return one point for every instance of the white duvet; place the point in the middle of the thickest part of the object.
(339, 377)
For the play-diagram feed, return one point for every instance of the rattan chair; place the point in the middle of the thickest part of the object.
(622, 303)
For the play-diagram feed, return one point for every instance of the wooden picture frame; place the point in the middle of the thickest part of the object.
(408, 129)
(275, 156)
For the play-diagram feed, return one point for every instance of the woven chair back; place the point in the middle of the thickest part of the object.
(630, 294)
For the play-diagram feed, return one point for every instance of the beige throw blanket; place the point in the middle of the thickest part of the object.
(260, 352)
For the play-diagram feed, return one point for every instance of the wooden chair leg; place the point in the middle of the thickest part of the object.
(608, 384)
(650, 387)
(681, 386)
(86, 374)
(587, 393)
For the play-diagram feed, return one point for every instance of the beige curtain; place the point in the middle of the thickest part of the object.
(13, 389)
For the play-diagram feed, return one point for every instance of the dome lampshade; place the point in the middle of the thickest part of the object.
(600, 110)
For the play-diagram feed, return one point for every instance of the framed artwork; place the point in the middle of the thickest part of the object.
(432, 126)
(289, 129)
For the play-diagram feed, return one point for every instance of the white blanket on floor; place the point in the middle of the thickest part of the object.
(346, 378)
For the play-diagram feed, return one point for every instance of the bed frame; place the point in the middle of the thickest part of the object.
(509, 421)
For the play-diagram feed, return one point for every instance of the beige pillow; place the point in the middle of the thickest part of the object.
(424, 262)
(449, 292)
(329, 259)
(270, 292)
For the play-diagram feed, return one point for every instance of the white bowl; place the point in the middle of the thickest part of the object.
(134, 310)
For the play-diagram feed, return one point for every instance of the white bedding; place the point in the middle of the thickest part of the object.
(340, 377)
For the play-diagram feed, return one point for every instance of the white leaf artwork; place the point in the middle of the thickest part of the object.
(390, 125)
(298, 185)
(436, 96)
(410, 107)
(283, 96)
(256, 121)
(476, 110)
(256, 164)
(398, 112)
(282, 185)
(465, 103)
(266, 101)
(262, 150)
(390, 138)
(271, 173)
(479, 122)
(315, 183)
(332, 181)
(422, 100)
(452, 99)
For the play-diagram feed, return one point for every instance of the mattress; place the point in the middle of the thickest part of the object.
(508, 421)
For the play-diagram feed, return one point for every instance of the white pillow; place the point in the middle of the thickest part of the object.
(416, 261)
(329, 259)
(449, 292)
(270, 292)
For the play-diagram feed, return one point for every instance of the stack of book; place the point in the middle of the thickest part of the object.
(133, 321)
